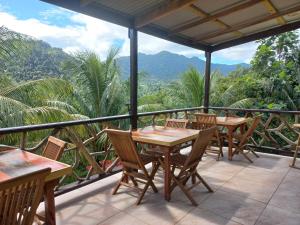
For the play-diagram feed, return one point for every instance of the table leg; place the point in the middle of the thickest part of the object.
(50, 202)
(230, 142)
(167, 177)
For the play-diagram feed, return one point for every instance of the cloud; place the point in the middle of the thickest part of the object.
(240, 53)
(80, 32)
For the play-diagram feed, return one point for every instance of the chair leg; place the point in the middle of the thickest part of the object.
(143, 193)
(245, 155)
(204, 182)
(295, 157)
(134, 181)
(118, 184)
(185, 191)
(254, 153)
(154, 170)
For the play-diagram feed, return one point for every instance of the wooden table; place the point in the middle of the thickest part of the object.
(167, 139)
(231, 123)
(14, 163)
(296, 125)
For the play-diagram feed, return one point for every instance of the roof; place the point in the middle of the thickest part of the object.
(208, 25)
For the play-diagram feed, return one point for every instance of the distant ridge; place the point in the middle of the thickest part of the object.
(168, 66)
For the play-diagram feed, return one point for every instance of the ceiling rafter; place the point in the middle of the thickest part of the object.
(248, 23)
(192, 23)
(272, 9)
(199, 11)
(160, 11)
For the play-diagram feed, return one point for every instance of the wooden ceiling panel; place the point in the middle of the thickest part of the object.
(249, 13)
(260, 26)
(210, 6)
(222, 38)
(201, 29)
(282, 4)
(175, 18)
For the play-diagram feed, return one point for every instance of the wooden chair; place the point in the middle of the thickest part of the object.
(133, 163)
(170, 123)
(204, 121)
(241, 140)
(176, 123)
(187, 165)
(20, 197)
(54, 148)
(296, 153)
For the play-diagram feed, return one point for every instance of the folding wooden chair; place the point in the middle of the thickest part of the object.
(187, 165)
(296, 153)
(133, 163)
(176, 123)
(20, 197)
(54, 148)
(241, 140)
(204, 121)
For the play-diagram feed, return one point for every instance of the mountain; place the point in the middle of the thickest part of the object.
(37, 59)
(34, 59)
(168, 66)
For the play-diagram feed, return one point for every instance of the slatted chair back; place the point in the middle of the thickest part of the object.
(54, 148)
(125, 148)
(199, 147)
(20, 197)
(204, 120)
(176, 123)
(248, 134)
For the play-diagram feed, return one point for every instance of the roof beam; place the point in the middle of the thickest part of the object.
(85, 2)
(199, 11)
(257, 36)
(248, 23)
(161, 11)
(192, 23)
(272, 9)
(101, 12)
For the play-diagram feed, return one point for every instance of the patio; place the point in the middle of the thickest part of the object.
(264, 192)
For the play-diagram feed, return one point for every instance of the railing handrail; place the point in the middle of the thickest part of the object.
(254, 110)
(18, 129)
(86, 121)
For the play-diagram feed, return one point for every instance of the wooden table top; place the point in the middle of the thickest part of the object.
(163, 136)
(231, 121)
(296, 125)
(16, 162)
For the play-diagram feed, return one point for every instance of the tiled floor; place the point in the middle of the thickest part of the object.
(266, 192)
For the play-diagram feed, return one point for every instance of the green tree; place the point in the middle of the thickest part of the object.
(276, 64)
(98, 89)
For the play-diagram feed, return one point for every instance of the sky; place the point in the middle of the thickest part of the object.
(73, 32)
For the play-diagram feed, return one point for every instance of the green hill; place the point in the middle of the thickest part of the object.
(37, 59)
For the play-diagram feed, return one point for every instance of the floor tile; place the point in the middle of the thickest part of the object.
(273, 215)
(204, 217)
(232, 207)
(122, 219)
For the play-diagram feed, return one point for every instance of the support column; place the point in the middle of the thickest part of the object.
(133, 76)
(207, 81)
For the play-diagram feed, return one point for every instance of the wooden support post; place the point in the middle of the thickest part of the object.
(23, 140)
(207, 81)
(133, 76)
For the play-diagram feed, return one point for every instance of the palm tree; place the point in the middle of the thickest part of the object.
(190, 91)
(98, 89)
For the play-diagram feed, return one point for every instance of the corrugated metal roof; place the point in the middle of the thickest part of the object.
(193, 22)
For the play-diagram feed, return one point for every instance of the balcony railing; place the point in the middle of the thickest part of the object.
(87, 143)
